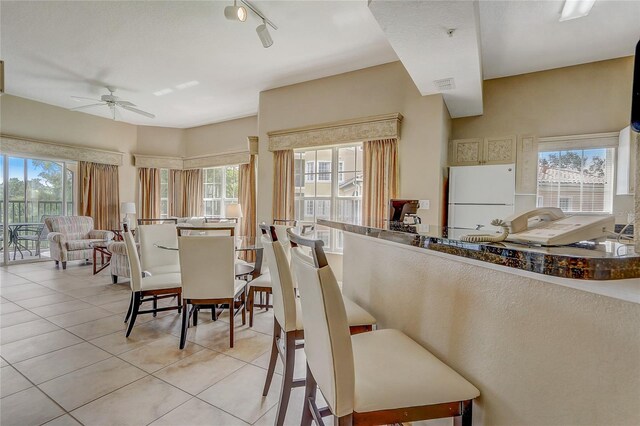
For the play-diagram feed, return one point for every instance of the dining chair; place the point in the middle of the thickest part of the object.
(208, 231)
(157, 221)
(207, 268)
(156, 260)
(381, 377)
(288, 318)
(158, 286)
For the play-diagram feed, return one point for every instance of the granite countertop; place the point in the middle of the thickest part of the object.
(604, 261)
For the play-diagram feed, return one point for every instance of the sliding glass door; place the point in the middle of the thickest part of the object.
(33, 188)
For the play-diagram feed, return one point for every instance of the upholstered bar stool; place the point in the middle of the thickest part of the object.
(381, 377)
(157, 286)
(209, 278)
(288, 318)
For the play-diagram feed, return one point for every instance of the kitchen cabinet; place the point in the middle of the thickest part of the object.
(477, 151)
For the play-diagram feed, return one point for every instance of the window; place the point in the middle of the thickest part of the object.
(220, 189)
(164, 193)
(328, 192)
(576, 180)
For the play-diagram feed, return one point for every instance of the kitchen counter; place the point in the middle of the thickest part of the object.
(604, 261)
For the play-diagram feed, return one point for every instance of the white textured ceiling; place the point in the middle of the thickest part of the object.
(525, 36)
(53, 50)
(417, 30)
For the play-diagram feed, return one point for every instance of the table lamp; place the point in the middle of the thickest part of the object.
(127, 209)
(234, 210)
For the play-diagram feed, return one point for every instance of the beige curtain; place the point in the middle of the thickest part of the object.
(149, 193)
(247, 199)
(175, 193)
(380, 180)
(192, 187)
(283, 185)
(99, 196)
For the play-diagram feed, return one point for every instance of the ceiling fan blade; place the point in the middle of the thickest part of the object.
(80, 98)
(138, 111)
(127, 103)
(86, 106)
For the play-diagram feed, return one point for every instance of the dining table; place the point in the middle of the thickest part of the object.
(243, 244)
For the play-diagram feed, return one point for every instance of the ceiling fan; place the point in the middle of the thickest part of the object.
(112, 102)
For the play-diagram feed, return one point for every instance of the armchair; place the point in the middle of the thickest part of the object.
(71, 237)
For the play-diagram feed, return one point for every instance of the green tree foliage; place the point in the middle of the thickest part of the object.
(573, 160)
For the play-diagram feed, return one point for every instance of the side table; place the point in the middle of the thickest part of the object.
(105, 256)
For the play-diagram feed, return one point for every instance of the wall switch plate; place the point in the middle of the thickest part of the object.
(424, 204)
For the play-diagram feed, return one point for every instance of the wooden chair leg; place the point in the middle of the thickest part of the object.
(194, 313)
(467, 413)
(244, 308)
(267, 297)
(179, 303)
(64, 265)
(155, 306)
(114, 279)
(130, 308)
(273, 358)
(287, 376)
(309, 396)
(185, 324)
(134, 312)
(345, 420)
(252, 296)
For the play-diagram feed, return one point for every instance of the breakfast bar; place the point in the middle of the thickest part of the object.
(527, 338)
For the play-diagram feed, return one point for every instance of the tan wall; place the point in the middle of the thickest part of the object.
(539, 353)
(163, 141)
(35, 120)
(218, 138)
(371, 91)
(582, 99)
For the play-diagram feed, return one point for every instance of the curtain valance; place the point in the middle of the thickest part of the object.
(58, 151)
(339, 132)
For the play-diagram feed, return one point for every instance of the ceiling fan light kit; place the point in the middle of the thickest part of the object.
(239, 13)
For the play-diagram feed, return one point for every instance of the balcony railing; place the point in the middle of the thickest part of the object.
(32, 211)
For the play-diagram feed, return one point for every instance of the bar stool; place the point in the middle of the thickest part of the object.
(381, 377)
(288, 318)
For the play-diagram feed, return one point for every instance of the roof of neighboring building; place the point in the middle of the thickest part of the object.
(552, 175)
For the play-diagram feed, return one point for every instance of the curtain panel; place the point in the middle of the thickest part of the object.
(149, 193)
(186, 197)
(247, 199)
(380, 181)
(283, 185)
(99, 196)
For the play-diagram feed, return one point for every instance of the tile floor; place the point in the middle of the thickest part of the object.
(65, 359)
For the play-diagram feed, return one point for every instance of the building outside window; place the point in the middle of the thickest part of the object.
(576, 180)
(164, 193)
(220, 189)
(327, 192)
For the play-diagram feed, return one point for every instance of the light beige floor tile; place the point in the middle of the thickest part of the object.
(40, 274)
(28, 407)
(101, 327)
(199, 371)
(44, 300)
(48, 366)
(110, 297)
(198, 413)
(93, 290)
(248, 344)
(38, 345)
(240, 394)
(23, 268)
(3, 363)
(78, 317)
(26, 330)
(117, 343)
(119, 307)
(65, 420)
(160, 353)
(81, 386)
(11, 381)
(67, 283)
(139, 403)
(25, 291)
(10, 280)
(15, 318)
(61, 308)
(9, 307)
(294, 410)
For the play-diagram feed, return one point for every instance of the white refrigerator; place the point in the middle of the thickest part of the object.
(479, 194)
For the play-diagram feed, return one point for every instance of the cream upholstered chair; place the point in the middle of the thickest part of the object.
(381, 377)
(288, 318)
(156, 260)
(158, 286)
(208, 278)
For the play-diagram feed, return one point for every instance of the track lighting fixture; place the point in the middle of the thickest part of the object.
(239, 13)
(235, 12)
(263, 33)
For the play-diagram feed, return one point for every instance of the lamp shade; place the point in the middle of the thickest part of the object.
(128, 208)
(234, 210)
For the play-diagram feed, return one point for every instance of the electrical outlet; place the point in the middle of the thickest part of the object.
(424, 204)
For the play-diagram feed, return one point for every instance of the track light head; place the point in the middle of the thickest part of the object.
(235, 13)
(263, 33)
